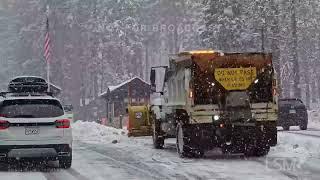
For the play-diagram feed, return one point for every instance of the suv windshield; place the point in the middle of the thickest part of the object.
(31, 108)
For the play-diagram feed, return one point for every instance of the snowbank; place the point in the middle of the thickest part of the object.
(289, 144)
(296, 146)
(96, 133)
(314, 118)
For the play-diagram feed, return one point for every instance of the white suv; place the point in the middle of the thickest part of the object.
(34, 126)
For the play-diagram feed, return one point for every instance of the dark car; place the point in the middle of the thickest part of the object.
(292, 112)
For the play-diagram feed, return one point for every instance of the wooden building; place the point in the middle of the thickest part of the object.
(117, 98)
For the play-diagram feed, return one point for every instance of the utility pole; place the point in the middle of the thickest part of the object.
(262, 40)
(275, 29)
(296, 75)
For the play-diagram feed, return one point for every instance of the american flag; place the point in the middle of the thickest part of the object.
(47, 47)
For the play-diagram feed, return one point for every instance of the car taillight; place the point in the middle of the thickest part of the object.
(63, 123)
(4, 125)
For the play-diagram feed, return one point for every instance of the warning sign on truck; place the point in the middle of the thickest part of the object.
(235, 78)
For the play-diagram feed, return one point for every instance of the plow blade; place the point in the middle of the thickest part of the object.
(139, 121)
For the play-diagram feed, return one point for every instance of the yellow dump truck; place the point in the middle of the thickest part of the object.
(212, 99)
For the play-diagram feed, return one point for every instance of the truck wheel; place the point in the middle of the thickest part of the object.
(158, 141)
(182, 145)
(249, 150)
(262, 151)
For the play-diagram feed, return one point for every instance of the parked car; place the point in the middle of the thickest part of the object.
(292, 112)
(68, 109)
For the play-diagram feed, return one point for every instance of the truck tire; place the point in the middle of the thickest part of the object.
(262, 151)
(158, 140)
(184, 148)
(257, 147)
(249, 150)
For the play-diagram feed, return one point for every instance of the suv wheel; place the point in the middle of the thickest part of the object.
(303, 126)
(66, 162)
(4, 166)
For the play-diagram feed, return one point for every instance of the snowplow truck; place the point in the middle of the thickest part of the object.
(209, 99)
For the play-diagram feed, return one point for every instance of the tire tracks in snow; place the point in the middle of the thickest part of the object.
(52, 174)
(134, 164)
(49, 176)
(286, 173)
(303, 134)
(76, 174)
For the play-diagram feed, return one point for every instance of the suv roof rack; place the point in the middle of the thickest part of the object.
(21, 94)
(28, 84)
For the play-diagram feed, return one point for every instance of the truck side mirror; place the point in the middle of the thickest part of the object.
(153, 80)
(153, 76)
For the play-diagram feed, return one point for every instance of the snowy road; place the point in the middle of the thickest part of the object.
(296, 157)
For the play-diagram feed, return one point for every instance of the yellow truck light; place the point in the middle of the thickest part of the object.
(202, 52)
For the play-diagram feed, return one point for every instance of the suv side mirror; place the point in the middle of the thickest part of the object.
(68, 107)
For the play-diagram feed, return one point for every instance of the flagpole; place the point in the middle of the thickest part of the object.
(47, 60)
(48, 75)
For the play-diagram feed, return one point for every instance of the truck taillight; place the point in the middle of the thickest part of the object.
(4, 125)
(274, 87)
(274, 92)
(63, 123)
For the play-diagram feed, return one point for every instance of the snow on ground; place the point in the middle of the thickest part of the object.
(96, 133)
(295, 145)
(314, 118)
(289, 144)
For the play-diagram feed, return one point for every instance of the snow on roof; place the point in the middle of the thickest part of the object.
(57, 87)
(29, 97)
(112, 88)
(51, 85)
(28, 76)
